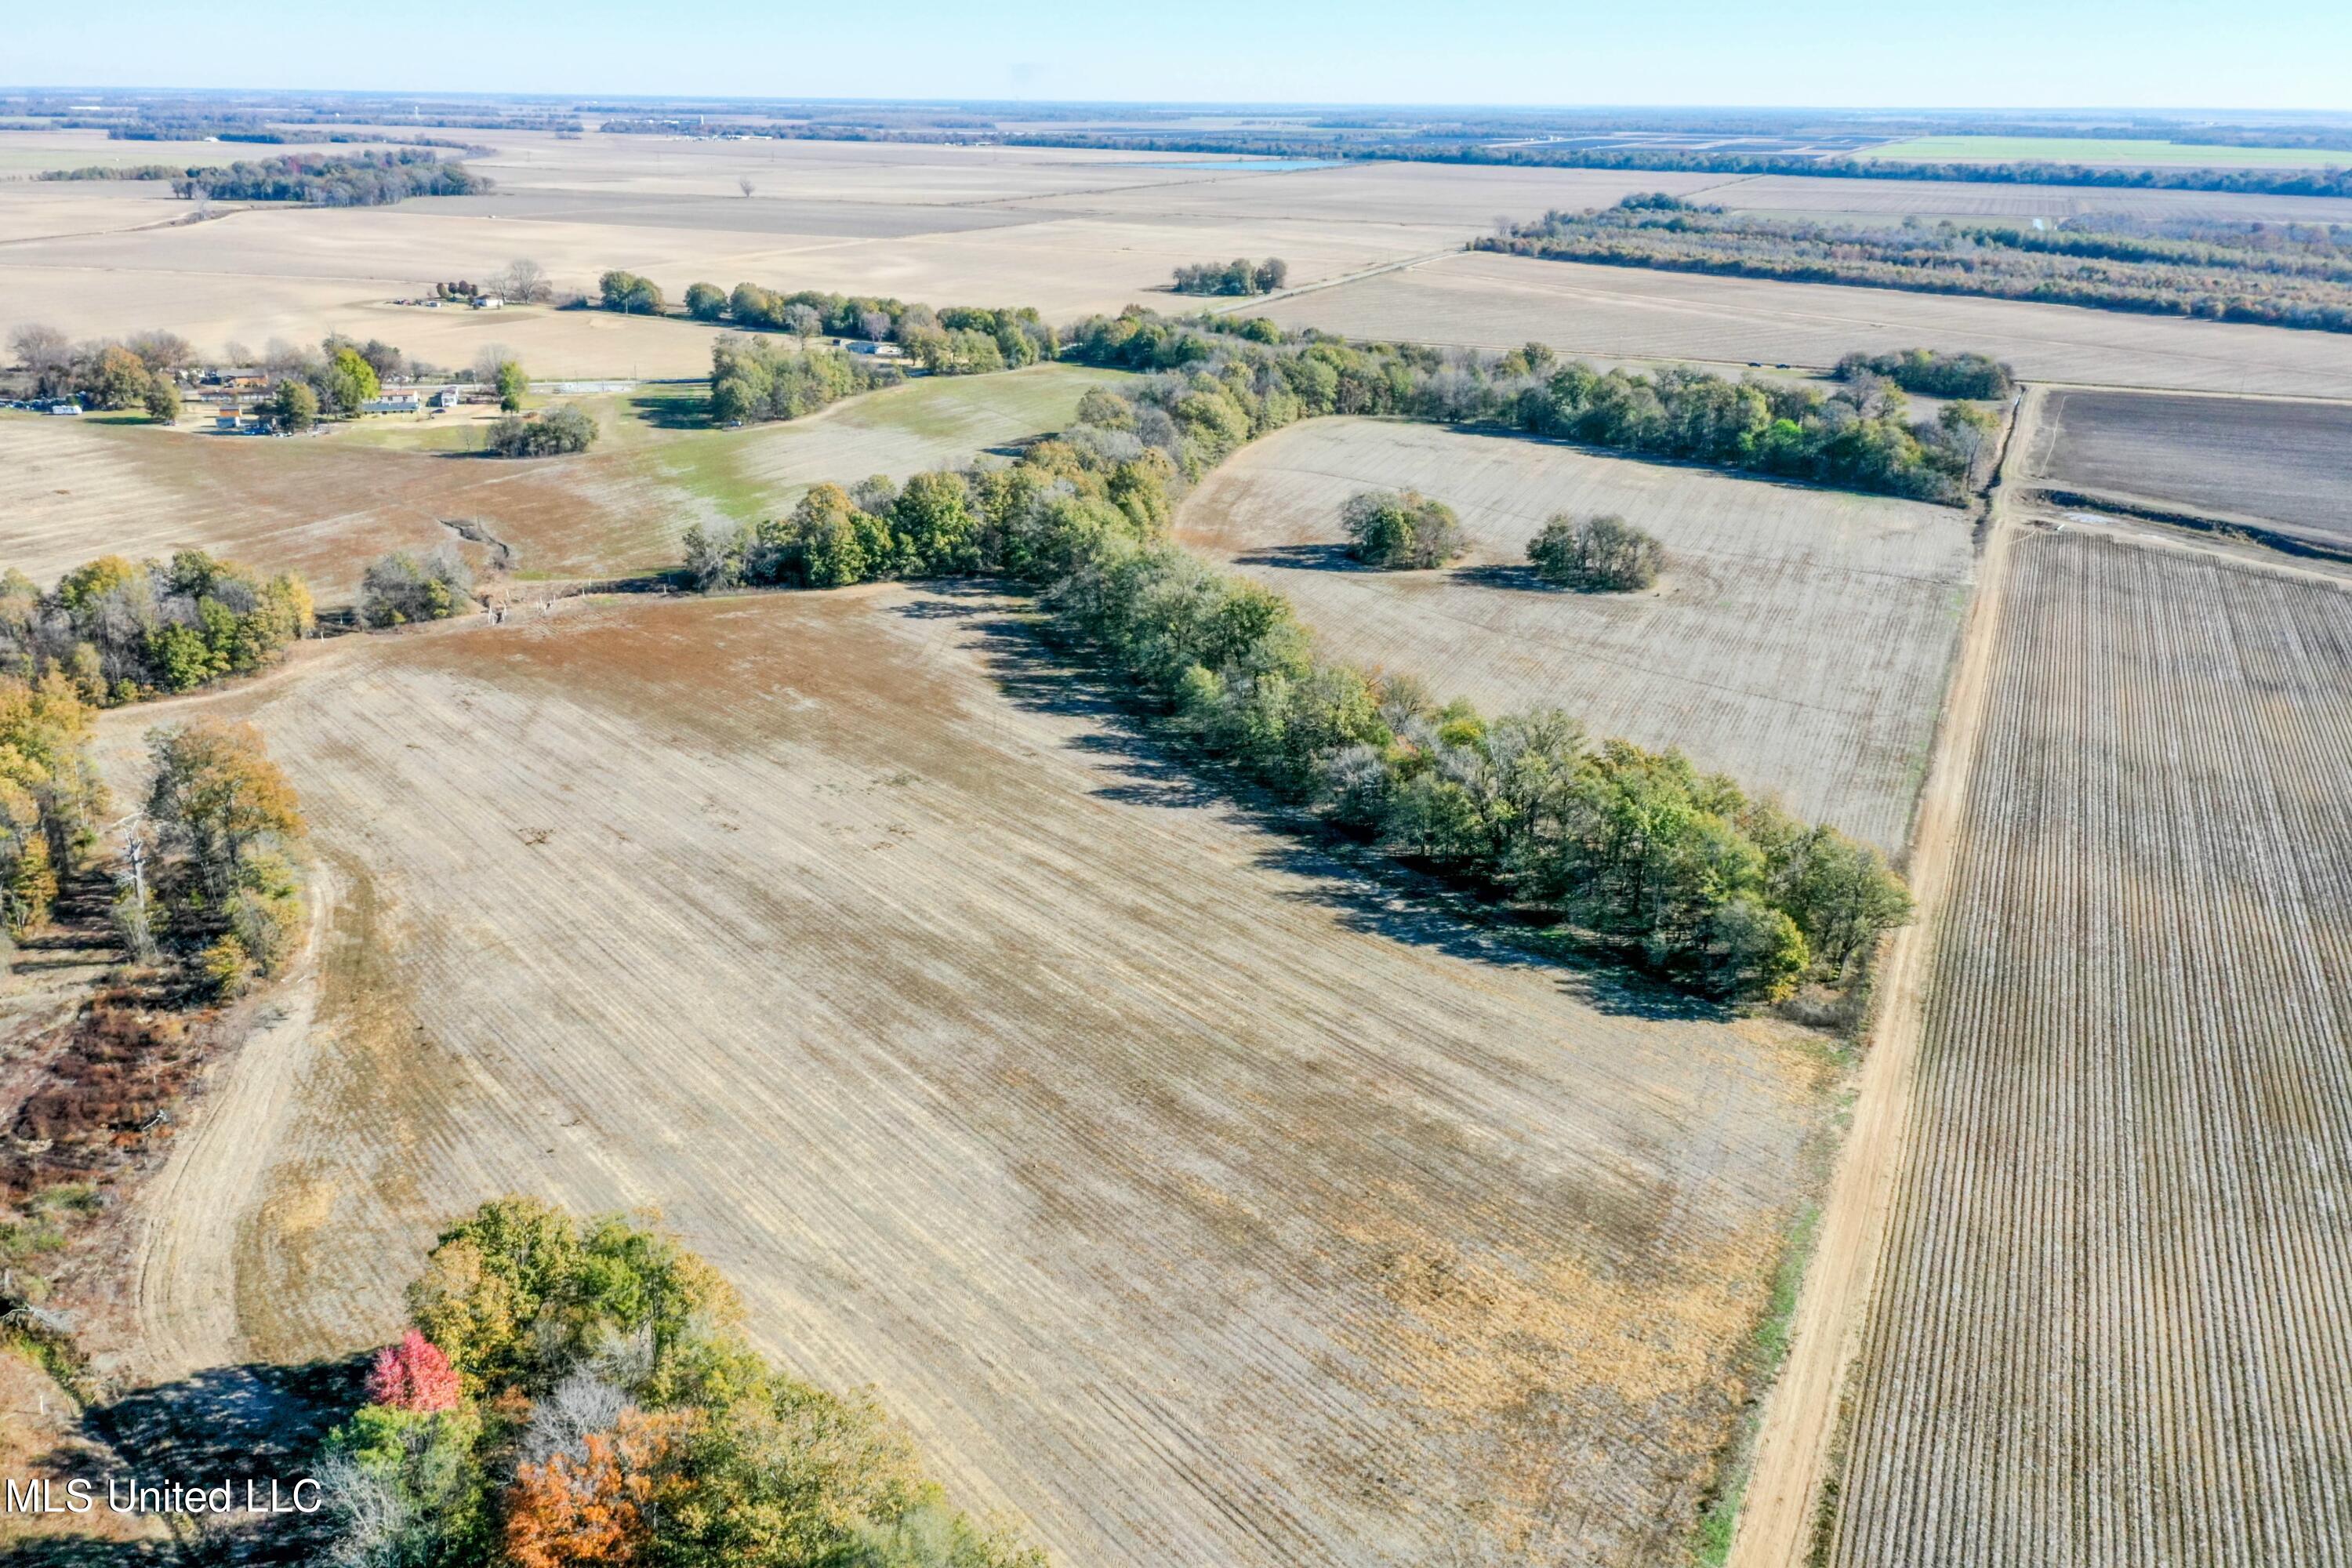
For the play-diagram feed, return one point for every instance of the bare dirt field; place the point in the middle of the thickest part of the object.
(1069, 231)
(2113, 1320)
(1499, 301)
(325, 506)
(2278, 462)
(1744, 654)
(1189, 1197)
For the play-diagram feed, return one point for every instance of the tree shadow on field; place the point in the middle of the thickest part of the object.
(1369, 891)
(670, 411)
(259, 1421)
(1512, 579)
(1303, 558)
(89, 1552)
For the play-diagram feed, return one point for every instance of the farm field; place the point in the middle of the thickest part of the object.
(326, 506)
(2282, 463)
(1069, 231)
(1186, 1195)
(2097, 150)
(1744, 655)
(1500, 301)
(2111, 1323)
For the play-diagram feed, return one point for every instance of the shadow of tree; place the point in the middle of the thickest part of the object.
(255, 1421)
(673, 411)
(1368, 890)
(1496, 575)
(1303, 558)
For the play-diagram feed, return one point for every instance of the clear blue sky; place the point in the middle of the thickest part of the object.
(1996, 53)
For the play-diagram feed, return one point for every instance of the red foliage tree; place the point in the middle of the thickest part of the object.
(412, 1375)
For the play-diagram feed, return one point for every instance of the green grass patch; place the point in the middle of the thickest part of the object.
(1768, 1348)
(2096, 150)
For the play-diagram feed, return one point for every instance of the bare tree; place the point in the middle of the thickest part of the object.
(876, 325)
(745, 181)
(804, 322)
(525, 282)
(47, 353)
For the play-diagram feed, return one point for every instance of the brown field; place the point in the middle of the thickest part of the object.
(325, 506)
(1744, 655)
(1069, 231)
(2282, 463)
(1190, 1198)
(1499, 301)
(2113, 1325)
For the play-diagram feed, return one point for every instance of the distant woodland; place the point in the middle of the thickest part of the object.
(2287, 275)
(358, 179)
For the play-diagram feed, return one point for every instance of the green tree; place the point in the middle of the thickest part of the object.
(116, 378)
(351, 381)
(1600, 555)
(1400, 530)
(512, 384)
(294, 406)
(705, 302)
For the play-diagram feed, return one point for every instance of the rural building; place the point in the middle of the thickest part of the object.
(487, 302)
(71, 410)
(226, 420)
(394, 403)
(881, 350)
(445, 398)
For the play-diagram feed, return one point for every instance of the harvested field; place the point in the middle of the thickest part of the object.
(1744, 656)
(2112, 1325)
(1188, 1196)
(1500, 301)
(326, 506)
(2275, 462)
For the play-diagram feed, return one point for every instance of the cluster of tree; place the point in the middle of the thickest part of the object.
(115, 171)
(1400, 530)
(120, 630)
(1602, 554)
(50, 794)
(523, 282)
(1933, 372)
(2244, 272)
(1238, 276)
(140, 373)
(554, 434)
(1225, 383)
(402, 587)
(630, 294)
(220, 896)
(1636, 849)
(576, 1394)
(361, 180)
(956, 340)
(753, 379)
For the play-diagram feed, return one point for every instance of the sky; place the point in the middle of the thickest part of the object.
(2283, 54)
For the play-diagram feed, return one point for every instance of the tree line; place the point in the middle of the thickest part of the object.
(1933, 372)
(119, 631)
(1636, 851)
(1239, 276)
(356, 180)
(571, 1393)
(954, 339)
(2274, 274)
(1857, 437)
(1337, 146)
(754, 379)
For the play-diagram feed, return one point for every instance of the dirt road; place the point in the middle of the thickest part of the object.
(1801, 1419)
